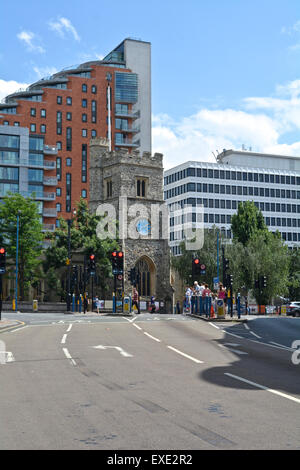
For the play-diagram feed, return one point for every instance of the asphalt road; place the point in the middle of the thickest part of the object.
(149, 382)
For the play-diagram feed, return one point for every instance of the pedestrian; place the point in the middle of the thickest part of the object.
(85, 302)
(188, 295)
(152, 304)
(135, 299)
(222, 294)
(97, 304)
(178, 307)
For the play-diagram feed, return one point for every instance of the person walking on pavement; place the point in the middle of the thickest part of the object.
(97, 304)
(188, 295)
(135, 299)
(152, 304)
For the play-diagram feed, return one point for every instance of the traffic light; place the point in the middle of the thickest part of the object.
(262, 282)
(92, 265)
(2, 260)
(256, 284)
(196, 267)
(226, 264)
(117, 261)
(229, 280)
(132, 276)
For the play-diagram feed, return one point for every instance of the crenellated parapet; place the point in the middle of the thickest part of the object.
(100, 156)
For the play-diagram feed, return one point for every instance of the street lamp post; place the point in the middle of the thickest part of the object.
(17, 260)
(69, 221)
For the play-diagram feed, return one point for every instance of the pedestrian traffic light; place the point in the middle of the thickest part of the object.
(92, 265)
(256, 284)
(226, 264)
(230, 280)
(2, 260)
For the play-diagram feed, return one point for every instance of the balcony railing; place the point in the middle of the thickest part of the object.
(48, 228)
(126, 143)
(50, 181)
(50, 150)
(130, 129)
(49, 212)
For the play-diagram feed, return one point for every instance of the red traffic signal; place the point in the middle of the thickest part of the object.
(2, 251)
(92, 257)
(120, 254)
(196, 261)
(114, 254)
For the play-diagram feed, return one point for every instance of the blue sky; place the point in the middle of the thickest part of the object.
(224, 72)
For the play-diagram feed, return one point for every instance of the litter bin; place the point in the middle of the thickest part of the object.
(220, 308)
(35, 305)
(126, 305)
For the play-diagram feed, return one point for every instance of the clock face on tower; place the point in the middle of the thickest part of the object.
(143, 227)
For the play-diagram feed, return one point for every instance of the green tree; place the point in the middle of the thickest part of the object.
(247, 222)
(83, 239)
(30, 238)
(207, 255)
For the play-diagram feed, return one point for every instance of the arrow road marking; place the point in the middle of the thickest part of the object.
(121, 351)
(6, 356)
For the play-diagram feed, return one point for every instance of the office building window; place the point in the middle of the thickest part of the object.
(69, 161)
(43, 113)
(59, 99)
(32, 112)
(69, 101)
(58, 207)
(32, 127)
(84, 163)
(94, 111)
(84, 87)
(58, 191)
(43, 129)
(17, 124)
(84, 132)
(94, 133)
(84, 193)
(84, 103)
(94, 89)
(84, 117)
(59, 145)
(69, 116)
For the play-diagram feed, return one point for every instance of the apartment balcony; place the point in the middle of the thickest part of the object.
(129, 114)
(49, 212)
(127, 143)
(39, 195)
(50, 150)
(48, 165)
(48, 228)
(50, 181)
(130, 130)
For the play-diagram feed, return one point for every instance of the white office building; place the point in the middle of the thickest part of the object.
(271, 181)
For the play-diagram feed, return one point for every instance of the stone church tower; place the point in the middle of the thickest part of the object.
(131, 185)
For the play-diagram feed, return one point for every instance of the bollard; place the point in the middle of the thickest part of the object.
(209, 306)
(114, 303)
(73, 303)
(80, 303)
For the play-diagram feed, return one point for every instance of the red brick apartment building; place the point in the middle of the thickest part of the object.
(64, 111)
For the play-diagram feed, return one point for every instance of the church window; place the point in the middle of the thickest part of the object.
(141, 185)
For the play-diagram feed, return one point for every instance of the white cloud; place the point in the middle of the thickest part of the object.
(10, 86)
(62, 26)
(261, 123)
(44, 71)
(28, 38)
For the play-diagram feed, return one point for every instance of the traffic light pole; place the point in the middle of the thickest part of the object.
(69, 267)
(0, 296)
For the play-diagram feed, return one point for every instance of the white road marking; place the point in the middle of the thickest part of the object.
(246, 326)
(268, 344)
(215, 326)
(64, 339)
(70, 327)
(68, 356)
(236, 336)
(18, 329)
(130, 320)
(254, 334)
(282, 346)
(152, 337)
(185, 355)
(284, 395)
(6, 356)
(138, 327)
(120, 350)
